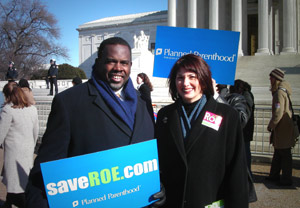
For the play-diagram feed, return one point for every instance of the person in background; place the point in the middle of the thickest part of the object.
(52, 75)
(103, 113)
(281, 128)
(144, 86)
(23, 83)
(222, 90)
(200, 145)
(248, 130)
(12, 73)
(19, 129)
(1, 100)
(237, 101)
(76, 81)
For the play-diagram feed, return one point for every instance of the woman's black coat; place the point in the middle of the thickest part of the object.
(145, 92)
(209, 165)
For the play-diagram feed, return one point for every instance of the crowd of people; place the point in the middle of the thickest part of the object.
(203, 137)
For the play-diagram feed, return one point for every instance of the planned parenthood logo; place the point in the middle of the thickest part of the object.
(159, 51)
(218, 48)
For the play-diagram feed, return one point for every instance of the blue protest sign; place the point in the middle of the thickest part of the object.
(217, 47)
(122, 177)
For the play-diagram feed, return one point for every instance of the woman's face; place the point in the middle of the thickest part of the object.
(272, 80)
(188, 86)
(139, 80)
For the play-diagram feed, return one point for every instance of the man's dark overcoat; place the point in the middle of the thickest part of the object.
(209, 165)
(79, 123)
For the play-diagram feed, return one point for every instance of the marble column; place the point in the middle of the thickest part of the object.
(192, 14)
(270, 28)
(298, 20)
(237, 21)
(289, 32)
(263, 28)
(172, 13)
(277, 30)
(93, 44)
(80, 49)
(214, 14)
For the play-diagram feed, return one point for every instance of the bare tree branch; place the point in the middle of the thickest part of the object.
(28, 34)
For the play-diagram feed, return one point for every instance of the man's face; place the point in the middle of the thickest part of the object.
(115, 65)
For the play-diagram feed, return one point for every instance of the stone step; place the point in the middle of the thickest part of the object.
(266, 148)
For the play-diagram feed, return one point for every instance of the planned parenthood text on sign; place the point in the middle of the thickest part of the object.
(123, 177)
(217, 47)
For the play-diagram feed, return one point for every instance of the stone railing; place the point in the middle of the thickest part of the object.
(41, 84)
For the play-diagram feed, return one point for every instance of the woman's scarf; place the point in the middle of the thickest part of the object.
(187, 121)
(124, 109)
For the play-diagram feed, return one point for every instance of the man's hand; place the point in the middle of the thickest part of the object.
(161, 196)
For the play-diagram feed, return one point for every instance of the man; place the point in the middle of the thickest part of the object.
(52, 75)
(281, 128)
(237, 100)
(234, 99)
(12, 73)
(243, 88)
(76, 81)
(91, 117)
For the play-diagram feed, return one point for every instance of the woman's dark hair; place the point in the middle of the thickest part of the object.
(24, 83)
(15, 95)
(240, 86)
(196, 64)
(146, 80)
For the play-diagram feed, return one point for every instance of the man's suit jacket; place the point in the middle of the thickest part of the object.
(79, 123)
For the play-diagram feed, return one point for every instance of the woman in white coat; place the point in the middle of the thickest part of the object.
(18, 133)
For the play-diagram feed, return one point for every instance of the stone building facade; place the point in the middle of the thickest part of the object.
(269, 32)
(267, 27)
(91, 34)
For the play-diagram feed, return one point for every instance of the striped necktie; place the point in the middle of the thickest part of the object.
(119, 96)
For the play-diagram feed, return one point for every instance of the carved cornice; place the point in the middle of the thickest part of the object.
(125, 20)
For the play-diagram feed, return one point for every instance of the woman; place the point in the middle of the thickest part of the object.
(281, 128)
(144, 86)
(23, 83)
(18, 133)
(201, 152)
